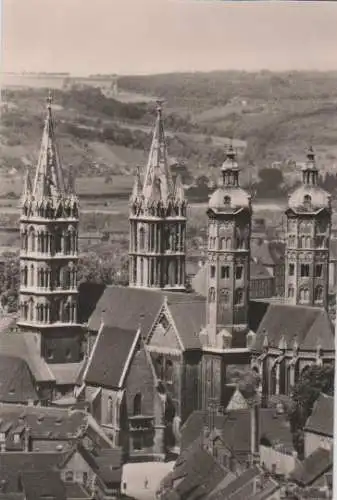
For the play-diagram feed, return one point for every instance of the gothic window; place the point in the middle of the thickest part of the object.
(66, 239)
(31, 309)
(211, 294)
(225, 272)
(212, 271)
(319, 294)
(31, 275)
(32, 239)
(318, 270)
(67, 312)
(141, 262)
(25, 276)
(223, 243)
(238, 297)
(238, 272)
(320, 242)
(58, 242)
(304, 295)
(224, 295)
(168, 371)
(291, 269)
(159, 366)
(141, 239)
(305, 270)
(110, 410)
(73, 313)
(273, 379)
(137, 404)
(292, 240)
(291, 291)
(307, 242)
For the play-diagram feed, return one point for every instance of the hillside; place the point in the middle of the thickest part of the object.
(272, 117)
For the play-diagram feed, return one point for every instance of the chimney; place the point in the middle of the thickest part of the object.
(254, 431)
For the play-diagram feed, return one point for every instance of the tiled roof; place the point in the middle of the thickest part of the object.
(189, 318)
(321, 418)
(235, 429)
(106, 463)
(16, 381)
(312, 467)
(142, 307)
(47, 423)
(24, 346)
(310, 325)
(111, 340)
(89, 295)
(14, 463)
(75, 491)
(195, 474)
(66, 373)
(38, 485)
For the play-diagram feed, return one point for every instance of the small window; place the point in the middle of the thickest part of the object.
(16, 438)
(238, 272)
(307, 199)
(305, 270)
(212, 272)
(227, 200)
(318, 270)
(291, 292)
(224, 272)
(69, 476)
(291, 269)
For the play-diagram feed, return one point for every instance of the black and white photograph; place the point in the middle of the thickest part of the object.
(168, 249)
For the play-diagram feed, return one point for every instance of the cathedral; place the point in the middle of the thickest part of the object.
(154, 352)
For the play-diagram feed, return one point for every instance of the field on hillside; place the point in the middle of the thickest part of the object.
(272, 118)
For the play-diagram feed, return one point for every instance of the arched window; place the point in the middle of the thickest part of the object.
(291, 291)
(137, 404)
(32, 239)
(304, 295)
(238, 296)
(211, 294)
(319, 293)
(141, 271)
(31, 309)
(273, 379)
(141, 238)
(168, 371)
(307, 242)
(223, 243)
(224, 293)
(110, 410)
(31, 275)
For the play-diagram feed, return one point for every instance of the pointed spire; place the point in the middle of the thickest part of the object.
(49, 179)
(179, 189)
(157, 166)
(137, 186)
(27, 185)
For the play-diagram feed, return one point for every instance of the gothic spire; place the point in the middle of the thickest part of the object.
(49, 179)
(27, 185)
(157, 166)
(179, 190)
(137, 186)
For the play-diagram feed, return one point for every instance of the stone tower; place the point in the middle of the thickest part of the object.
(157, 222)
(307, 240)
(49, 254)
(229, 228)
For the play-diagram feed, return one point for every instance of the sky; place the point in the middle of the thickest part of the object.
(158, 36)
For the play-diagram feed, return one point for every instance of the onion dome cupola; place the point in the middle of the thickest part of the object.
(230, 197)
(309, 197)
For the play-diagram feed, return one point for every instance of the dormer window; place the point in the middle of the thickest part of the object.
(307, 199)
(227, 200)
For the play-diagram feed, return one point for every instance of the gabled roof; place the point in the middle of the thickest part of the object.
(46, 423)
(14, 463)
(312, 467)
(321, 418)
(66, 373)
(189, 318)
(16, 381)
(310, 325)
(235, 429)
(195, 474)
(39, 484)
(115, 344)
(142, 307)
(23, 345)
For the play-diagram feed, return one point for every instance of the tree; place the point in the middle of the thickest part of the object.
(313, 381)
